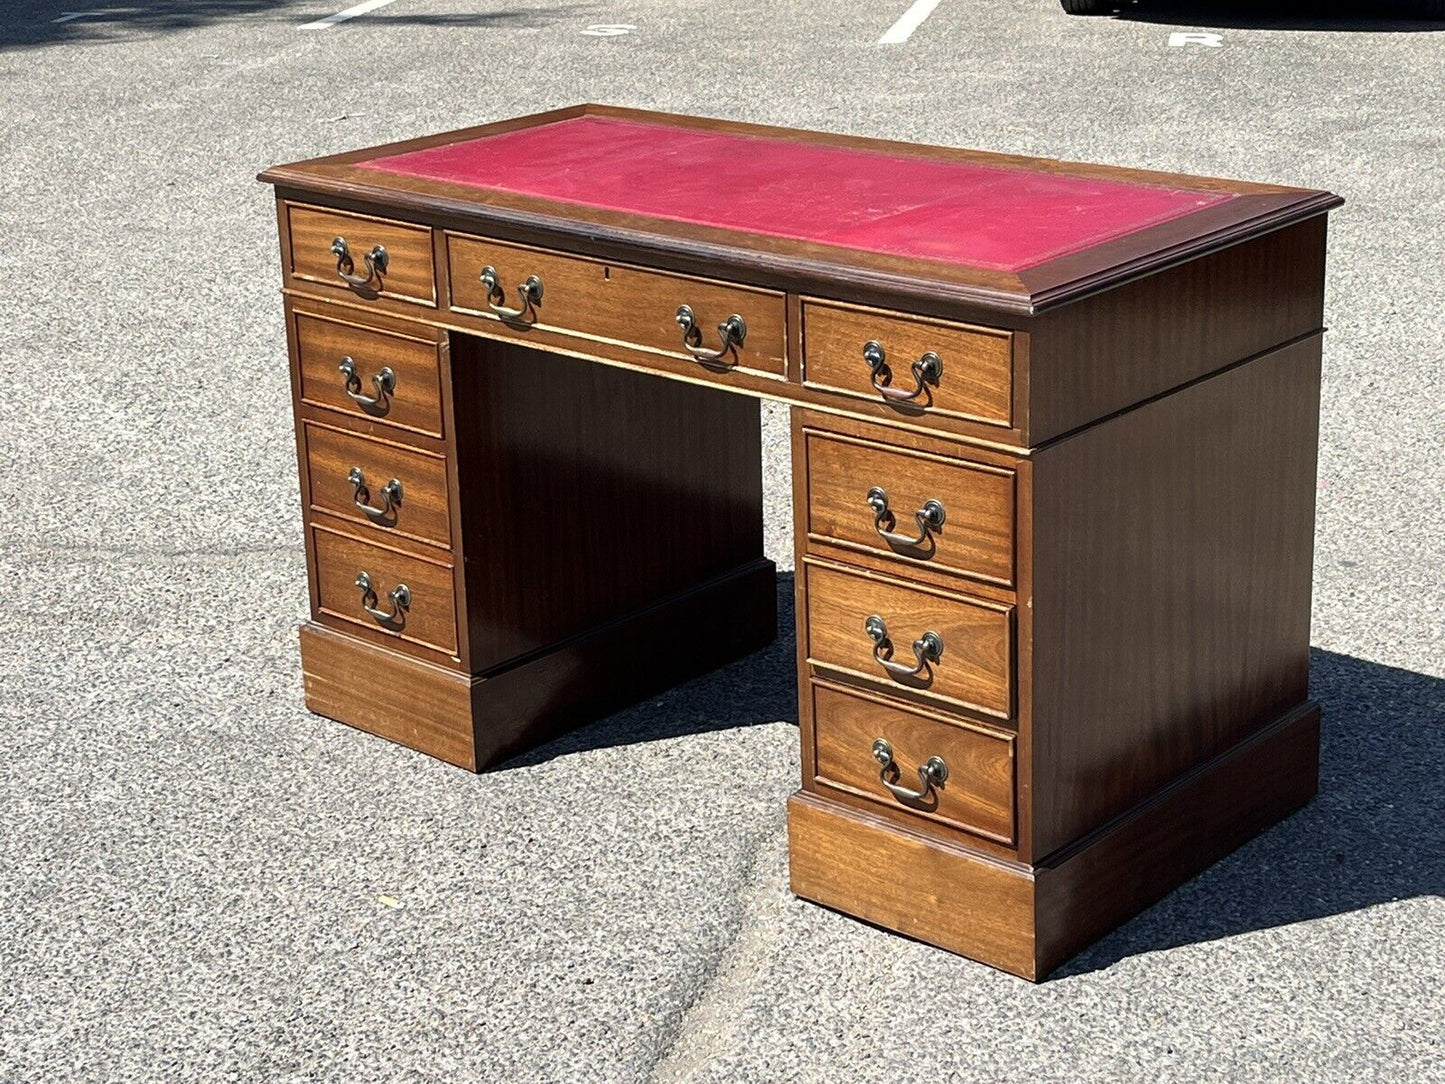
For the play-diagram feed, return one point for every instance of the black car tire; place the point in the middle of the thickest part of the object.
(1098, 7)
(1426, 9)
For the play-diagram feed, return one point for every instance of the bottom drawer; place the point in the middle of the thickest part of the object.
(412, 600)
(976, 791)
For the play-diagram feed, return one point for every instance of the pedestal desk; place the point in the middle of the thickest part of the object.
(1054, 431)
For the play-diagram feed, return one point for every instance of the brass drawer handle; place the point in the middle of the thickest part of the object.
(400, 596)
(376, 261)
(530, 292)
(931, 774)
(929, 518)
(390, 497)
(926, 370)
(731, 331)
(927, 649)
(384, 382)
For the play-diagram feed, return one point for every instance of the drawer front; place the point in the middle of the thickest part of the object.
(912, 506)
(976, 788)
(425, 612)
(389, 378)
(406, 276)
(974, 667)
(916, 365)
(629, 305)
(404, 491)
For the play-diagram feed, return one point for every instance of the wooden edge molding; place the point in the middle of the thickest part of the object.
(1252, 210)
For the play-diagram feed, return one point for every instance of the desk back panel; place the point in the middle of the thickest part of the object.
(589, 492)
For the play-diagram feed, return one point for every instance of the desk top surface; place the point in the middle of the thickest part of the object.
(1019, 232)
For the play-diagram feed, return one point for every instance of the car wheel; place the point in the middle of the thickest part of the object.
(1099, 7)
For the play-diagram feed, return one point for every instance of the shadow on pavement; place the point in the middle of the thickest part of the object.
(1374, 834)
(102, 22)
(758, 689)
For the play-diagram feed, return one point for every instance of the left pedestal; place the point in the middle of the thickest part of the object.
(503, 544)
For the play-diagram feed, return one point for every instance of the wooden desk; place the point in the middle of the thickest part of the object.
(1054, 434)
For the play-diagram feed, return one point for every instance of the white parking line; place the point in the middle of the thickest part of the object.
(341, 16)
(71, 16)
(910, 21)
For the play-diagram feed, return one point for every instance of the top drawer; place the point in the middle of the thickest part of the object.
(629, 305)
(363, 256)
(913, 364)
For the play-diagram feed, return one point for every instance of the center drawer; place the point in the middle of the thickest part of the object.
(535, 288)
(902, 637)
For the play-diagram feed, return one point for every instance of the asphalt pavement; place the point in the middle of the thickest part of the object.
(200, 881)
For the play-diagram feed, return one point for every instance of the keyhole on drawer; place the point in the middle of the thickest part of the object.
(607, 274)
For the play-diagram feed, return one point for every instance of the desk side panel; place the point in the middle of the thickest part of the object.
(1172, 562)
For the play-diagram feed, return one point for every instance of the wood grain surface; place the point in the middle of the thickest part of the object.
(587, 492)
(977, 378)
(430, 622)
(621, 303)
(324, 338)
(977, 536)
(912, 884)
(408, 274)
(977, 796)
(975, 670)
(1172, 566)
(422, 514)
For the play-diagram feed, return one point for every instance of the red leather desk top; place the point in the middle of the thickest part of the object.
(990, 217)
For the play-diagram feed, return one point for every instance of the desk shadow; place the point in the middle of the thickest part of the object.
(49, 22)
(1368, 837)
(1374, 834)
(759, 688)
(1350, 18)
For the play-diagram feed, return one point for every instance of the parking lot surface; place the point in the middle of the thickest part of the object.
(201, 881)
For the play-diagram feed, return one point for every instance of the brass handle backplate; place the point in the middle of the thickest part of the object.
(384, 382)
(929, 519)
(731, 332)
(386, 512)
(400, 596)
(529, 291)
(927, 649)
(933, 773)
(375, 260)
(926, 370)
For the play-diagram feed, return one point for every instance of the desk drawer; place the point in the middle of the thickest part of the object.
(917, 365)
(369, 373)
(976, 788)
(418, 593)
(403, 273)
(630, 305)
(858, 623)
(400, 491)
(915, 507)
